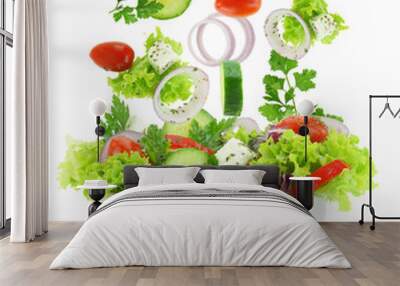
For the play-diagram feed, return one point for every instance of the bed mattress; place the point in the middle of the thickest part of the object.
(201, 225)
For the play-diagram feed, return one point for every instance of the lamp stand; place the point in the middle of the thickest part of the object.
(100, 131)
(304, 131)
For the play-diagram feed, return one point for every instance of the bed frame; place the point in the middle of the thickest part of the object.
(271, 178)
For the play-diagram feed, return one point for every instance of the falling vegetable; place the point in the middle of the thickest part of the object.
(113, 56)
(120, 143)
(231, 88)
(131, 14)
(324, 25)
(202, 54)
(171, 9)
(142, 79)
(238, 8)
(118, 119)
(318, 130)
(276, 39)
(187, 109)
(328, 172)
(180, 142)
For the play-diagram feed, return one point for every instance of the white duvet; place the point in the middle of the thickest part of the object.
(200, 231)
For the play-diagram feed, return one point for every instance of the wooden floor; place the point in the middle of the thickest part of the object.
(375, 257)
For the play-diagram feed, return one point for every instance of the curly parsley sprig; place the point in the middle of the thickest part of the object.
(143, 10)
(281, 89)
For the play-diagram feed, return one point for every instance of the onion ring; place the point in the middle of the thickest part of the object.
(249, 41)
(190, 108)
(274, 38)
(205, 58)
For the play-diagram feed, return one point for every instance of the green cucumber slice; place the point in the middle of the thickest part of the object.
(172, 9)
(232, 88)
(187, 157)
(182, 129)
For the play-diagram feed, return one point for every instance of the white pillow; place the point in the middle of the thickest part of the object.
(166, 176)
(246, 177)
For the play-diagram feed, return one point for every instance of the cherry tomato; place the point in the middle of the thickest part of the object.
(113, 56)
(121, 144)
(237, 8)
(179, 142)
(328, 172)
(318, 130)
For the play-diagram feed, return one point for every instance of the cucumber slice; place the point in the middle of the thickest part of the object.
(232, 88)
(203, 118)
(187, 157)
(172, 9)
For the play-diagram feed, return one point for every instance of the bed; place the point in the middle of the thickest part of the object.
(197, 224)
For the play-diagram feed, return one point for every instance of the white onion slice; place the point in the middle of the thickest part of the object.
(274, 37)
(249, 39)
(205, 57)
(191, 107)
(334, 124)
(247, 124)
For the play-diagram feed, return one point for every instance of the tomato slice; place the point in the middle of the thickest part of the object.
(318, 130)
(179, 142)
(121, 144)
(328, 172)
(237, 8)
(113, 56)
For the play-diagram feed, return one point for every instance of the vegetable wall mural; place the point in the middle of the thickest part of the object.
(179, 89)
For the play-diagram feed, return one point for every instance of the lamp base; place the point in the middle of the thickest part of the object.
(96, 195)
(305, 193)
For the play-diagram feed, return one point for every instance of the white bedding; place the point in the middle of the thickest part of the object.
(201, 231)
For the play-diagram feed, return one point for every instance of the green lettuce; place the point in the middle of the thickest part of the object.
(309, 9)
(141, 80)
(177, 88)
(288, 154)
(158, 36)
(80, 164)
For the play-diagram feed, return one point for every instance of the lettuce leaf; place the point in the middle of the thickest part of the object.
(309, 9)
(177, 88)
(80, 164)
(141, 80)
(288, 154)
(159, 36)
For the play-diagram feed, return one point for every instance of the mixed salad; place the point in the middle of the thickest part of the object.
(190, 135)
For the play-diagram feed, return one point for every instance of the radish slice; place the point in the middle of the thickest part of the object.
(189, 108)
(205, 57)
(247, 124)
(275, 39)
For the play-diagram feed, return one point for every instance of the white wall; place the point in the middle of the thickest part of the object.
(363, 60)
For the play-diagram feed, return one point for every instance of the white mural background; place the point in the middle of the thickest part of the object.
(361, 61)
